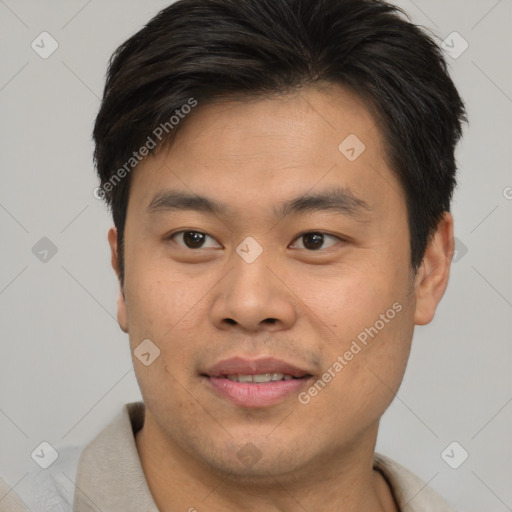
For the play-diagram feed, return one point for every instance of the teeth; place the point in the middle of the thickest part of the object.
(259, 378)
(264, 377)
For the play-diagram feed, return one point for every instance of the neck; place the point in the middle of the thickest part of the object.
(336, 482)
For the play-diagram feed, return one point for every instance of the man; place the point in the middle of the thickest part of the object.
(280, 175)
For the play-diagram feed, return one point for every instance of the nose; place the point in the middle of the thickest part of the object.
(253, 298)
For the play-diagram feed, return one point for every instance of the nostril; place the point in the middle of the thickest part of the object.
(230, 321)
(270, 320)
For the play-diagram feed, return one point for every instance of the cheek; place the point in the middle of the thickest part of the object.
(368, 320)
(172, 311)
(351, 297)
(160, 301)
(367, 373)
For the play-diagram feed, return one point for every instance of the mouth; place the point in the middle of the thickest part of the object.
(255, 383)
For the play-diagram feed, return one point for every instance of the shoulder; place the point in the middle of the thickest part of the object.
(411, 493)
(52, 489)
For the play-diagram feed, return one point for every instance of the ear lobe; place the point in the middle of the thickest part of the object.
(432, 276)
(122, 314)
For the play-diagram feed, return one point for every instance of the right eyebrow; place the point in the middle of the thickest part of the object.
(171, 200)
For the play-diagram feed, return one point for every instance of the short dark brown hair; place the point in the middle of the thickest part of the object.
(203, 49)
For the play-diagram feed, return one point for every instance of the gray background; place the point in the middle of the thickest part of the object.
(65, 366)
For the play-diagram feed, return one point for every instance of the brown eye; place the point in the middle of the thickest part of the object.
(315, 241)
(193, 240)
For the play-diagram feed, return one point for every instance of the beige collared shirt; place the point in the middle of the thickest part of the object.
(107, 476)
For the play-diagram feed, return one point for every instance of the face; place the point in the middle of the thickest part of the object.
(294, 266)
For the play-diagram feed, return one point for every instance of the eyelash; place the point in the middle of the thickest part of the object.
(172, 236)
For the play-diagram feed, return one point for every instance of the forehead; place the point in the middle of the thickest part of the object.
(283, 145)
(290, 126)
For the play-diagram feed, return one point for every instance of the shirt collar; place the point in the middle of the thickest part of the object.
(109, 474)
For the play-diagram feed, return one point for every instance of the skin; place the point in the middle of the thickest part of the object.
(203, 305)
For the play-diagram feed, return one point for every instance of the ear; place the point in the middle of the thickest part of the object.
(432, 277)
(122, 315)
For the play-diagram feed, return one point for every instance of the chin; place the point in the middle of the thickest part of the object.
(257, 462)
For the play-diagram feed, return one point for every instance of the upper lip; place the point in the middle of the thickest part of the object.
(244, 366)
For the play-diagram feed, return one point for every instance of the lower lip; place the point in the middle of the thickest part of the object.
(256, 395)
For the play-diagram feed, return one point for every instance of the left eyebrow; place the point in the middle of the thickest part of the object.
(339, 200)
